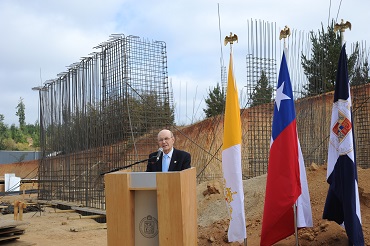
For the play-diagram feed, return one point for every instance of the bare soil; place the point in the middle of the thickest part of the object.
(58, 229)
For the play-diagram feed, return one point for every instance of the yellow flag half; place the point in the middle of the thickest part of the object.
(232, 125)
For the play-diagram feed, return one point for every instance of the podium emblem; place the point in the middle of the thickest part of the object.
(148, 227)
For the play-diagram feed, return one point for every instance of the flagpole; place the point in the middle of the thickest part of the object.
(355, 235)
(295, 223)
(284, 34)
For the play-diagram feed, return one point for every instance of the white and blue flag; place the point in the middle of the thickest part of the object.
(342, 202)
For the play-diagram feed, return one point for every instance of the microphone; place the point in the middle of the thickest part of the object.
(160, 150)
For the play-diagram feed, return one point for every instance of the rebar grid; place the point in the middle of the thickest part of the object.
(94, 117)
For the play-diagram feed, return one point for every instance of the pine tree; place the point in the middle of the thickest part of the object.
(262, 91)
(21, 113)
(215, 102)
(3, 132)
(321, 69)
(361, 75)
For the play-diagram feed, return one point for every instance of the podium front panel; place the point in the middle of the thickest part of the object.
(146, 218)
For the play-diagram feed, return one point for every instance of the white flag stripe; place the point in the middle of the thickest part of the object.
(232, 158)
(358, 210)
(231, 166)
(304, 212)
(337, 147)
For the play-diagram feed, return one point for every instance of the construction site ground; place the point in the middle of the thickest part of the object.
(56, 227)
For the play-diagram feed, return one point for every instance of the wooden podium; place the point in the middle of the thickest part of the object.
(151, 208)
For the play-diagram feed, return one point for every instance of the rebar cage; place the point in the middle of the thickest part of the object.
(94, 117)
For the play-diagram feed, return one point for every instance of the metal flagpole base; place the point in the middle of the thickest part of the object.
(295, 224)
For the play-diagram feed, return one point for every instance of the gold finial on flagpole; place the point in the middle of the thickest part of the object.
(284, 34)
(230, 39)
(342, 27)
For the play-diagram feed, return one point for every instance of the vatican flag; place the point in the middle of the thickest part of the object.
(231, 161)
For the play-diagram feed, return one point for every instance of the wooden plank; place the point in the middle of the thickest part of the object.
(177, 210)
(86, 217)
(88, 228)
(17, 242)
(90, 210)
(63, 211)
(64, 203)
(31, 203)
(2, 239)
(120, 207)
(169, 206)
(189, 206)
(11, 223)
(13, 230)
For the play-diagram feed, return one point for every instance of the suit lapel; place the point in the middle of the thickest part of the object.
(173, 159)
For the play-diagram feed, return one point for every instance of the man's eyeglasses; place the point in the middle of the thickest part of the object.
(164, 139)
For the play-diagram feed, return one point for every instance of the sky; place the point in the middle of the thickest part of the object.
(40, 38)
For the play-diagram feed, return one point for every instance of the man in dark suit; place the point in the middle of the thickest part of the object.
(170, 159)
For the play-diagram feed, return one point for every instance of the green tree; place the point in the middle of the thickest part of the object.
(21, 113)
(13, 138)
(322, 67)
(33, 131)
(10, 144)
(3, 132)
(361, 75)
(17, 135)
(215, 102)
(262, 91)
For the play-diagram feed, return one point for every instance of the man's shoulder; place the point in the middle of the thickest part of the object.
(153, 153)
(180, 152)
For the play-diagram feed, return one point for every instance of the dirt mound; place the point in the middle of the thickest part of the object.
(213, 219)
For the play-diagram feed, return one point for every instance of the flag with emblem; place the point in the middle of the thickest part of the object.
(342, 202)
(286, 183)
(231, 161)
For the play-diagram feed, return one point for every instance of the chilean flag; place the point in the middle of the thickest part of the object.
(342, 202)
(286, 177)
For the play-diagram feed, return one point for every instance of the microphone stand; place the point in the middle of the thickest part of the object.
(119, 168)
